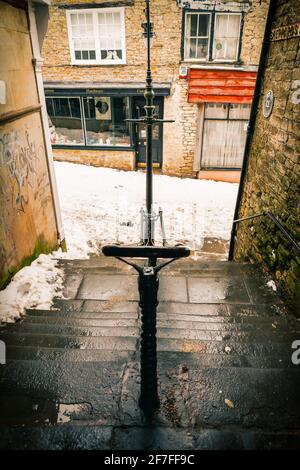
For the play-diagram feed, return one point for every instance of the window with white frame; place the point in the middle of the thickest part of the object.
(212, 36)
(97, 36)
(197, 28)
(226, 36)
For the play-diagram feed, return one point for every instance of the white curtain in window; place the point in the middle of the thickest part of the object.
(226, 37)
(110, 35)
(83, 36)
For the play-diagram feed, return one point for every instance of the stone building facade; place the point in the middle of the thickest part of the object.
(30, 221)
(272, 179)
(204, 60)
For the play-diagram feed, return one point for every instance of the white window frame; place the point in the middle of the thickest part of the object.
(97, 60)
(239, 37)
(186, 37)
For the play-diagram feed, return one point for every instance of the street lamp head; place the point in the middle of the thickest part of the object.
(145, 30)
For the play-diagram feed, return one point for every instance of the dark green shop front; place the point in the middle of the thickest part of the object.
(95, 118)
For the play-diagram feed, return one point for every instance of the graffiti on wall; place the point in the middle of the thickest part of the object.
(19, 155)
(25, 193)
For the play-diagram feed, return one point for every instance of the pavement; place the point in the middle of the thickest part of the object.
(225, 375)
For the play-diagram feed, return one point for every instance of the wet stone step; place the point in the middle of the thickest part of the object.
(81, 314)
(171, 332)
(23, 353)
(113, 343)
(226, 334)
(195, 360)
(261, 398)
(220, 309)
(122, 331)
(113, 305)
(87, 318)
(93, 263)
(227, 320)
(136, 438)
(174, 321)
(223, 267)
(274, 405)
(227, 396)
(180, 308)
(237, 347)
(56, 437)
(70, 321)
(199, 290)
(175, 359)
(61, 384)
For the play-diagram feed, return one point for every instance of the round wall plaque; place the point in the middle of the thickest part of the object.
(268, 104)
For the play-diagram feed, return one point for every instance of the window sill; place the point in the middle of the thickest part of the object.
(97, 64)
(211, 62)
(92, 147)
(219, 168)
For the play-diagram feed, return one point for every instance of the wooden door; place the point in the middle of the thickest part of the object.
(140, 134)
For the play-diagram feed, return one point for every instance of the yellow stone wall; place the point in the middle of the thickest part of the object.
(27, 218)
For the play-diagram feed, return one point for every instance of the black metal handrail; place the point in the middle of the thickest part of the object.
(274, 219)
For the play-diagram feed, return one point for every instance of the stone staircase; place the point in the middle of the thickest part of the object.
(226, 379)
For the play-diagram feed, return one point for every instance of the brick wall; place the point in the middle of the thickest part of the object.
(273, 174)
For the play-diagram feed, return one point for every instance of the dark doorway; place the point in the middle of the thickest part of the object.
(140, 132)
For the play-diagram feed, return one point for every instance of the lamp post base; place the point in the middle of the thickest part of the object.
(148, 290)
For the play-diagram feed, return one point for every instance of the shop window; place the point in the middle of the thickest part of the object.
(92, 121)
(65, 121)
(105, 121)
(97, 36)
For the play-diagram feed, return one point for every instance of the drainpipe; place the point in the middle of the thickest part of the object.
(252, 119)
(37, 62)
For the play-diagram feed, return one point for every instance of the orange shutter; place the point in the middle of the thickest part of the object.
(221, 86)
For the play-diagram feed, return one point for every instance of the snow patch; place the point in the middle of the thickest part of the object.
(102, 205)
(32, 287)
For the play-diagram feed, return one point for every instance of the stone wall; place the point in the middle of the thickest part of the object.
(124, 160)
(180, 139)
(253, 31)
(27, 218)
(166, 17)
(273, 174)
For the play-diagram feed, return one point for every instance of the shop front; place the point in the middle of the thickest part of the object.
(224, 98)
(88, 124)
